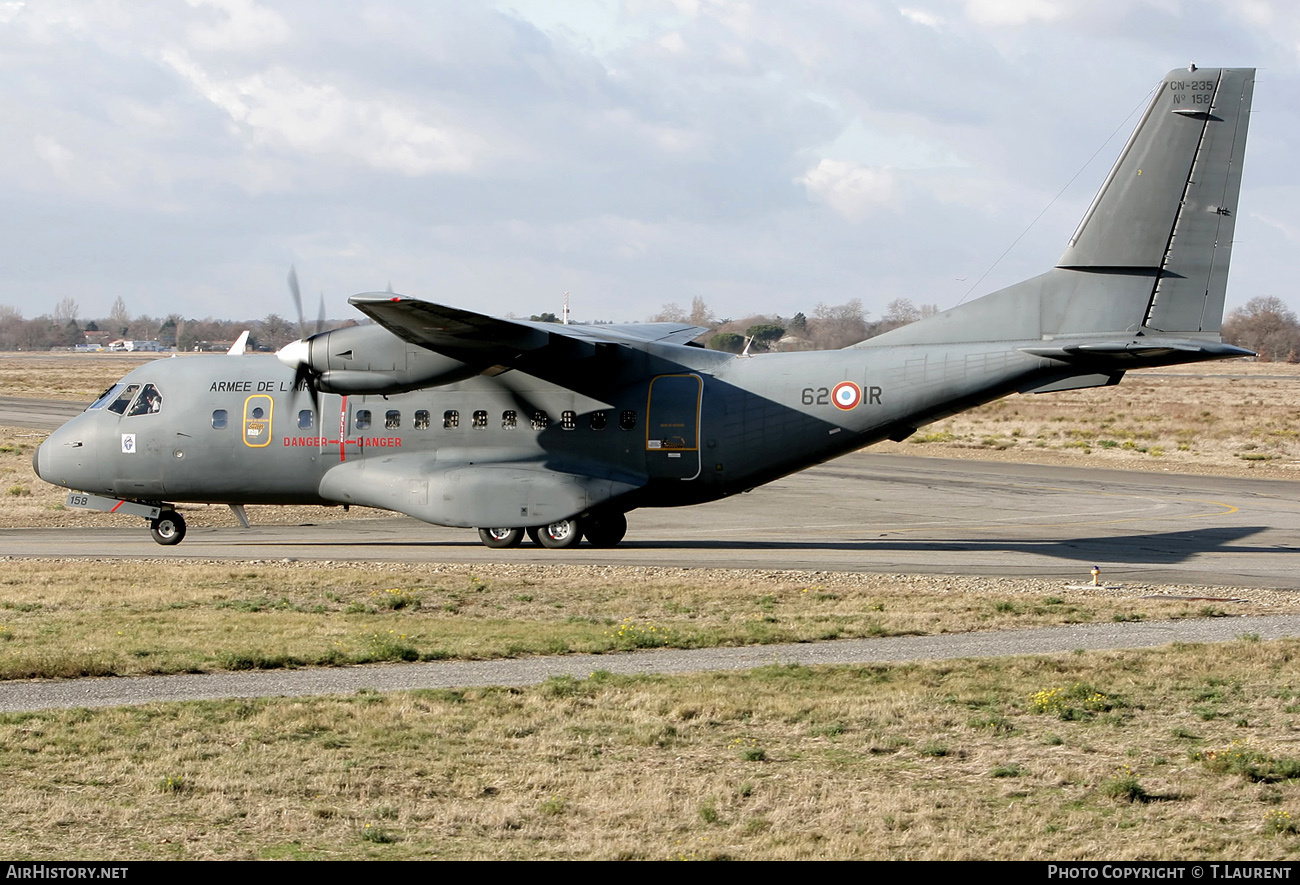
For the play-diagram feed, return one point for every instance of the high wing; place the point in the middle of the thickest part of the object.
(489, 342)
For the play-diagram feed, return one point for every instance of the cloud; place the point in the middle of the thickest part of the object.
(243, 26)
(277, 108)
(852, 190)
(1015, 12)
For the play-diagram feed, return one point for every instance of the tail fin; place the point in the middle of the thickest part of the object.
(1150, 258)
(1169, 205)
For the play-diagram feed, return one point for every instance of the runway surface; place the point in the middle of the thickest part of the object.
(864, 512)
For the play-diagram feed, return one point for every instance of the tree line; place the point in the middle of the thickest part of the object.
(1264, 324)
(65, 327)
(829, 327)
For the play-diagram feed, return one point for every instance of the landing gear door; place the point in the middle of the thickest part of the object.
(673, 427)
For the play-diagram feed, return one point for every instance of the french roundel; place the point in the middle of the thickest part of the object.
(846, 395)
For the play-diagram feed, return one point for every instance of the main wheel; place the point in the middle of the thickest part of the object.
(168, 528)
(559, 535)
(534, 534)
(605, 530)
(500, 538)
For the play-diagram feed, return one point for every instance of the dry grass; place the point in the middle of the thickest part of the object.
(1216, 418)
(939, 761)
(76, 377)
(60, 619)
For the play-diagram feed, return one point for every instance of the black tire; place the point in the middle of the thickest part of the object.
(605, 530)
(501, 538)
(560, 535)
(534, 534)
(168, 528)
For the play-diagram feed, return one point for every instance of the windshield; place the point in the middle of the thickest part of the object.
(106, 396)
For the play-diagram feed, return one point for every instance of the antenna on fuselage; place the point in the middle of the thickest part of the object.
(240, 345)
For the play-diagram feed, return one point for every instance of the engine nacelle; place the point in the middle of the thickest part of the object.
(371, 360)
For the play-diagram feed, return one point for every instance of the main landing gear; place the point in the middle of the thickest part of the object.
(601, 530)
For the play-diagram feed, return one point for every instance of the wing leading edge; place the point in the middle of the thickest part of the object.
(485, 341)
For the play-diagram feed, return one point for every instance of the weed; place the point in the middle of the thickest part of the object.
(709, 813)
(1076, 702)
(1254, 765)
(1124, 785)
(1011, 770)
(173, 783)
(749, 750)
(395, 599)
(633, 635)
(378, 835)
(1280, 822)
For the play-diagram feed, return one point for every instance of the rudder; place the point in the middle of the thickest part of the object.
(1168, 207)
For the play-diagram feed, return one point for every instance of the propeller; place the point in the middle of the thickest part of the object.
(297, 354)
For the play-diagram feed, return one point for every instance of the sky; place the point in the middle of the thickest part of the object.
(763, 156)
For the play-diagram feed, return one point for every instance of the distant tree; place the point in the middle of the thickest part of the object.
(119, 320)
(70, 335)
(275, 331)
(66, 310)
(764, 335)
(669, 313)
(1265, 325)
(900, 312)
(546, 317)
(838, 325)
(729, 342)
(700, 314)
(168, 330)
(798, 325)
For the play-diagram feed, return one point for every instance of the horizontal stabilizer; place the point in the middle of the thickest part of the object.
(1138, 351)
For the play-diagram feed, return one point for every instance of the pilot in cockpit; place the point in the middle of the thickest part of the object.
(149, 402)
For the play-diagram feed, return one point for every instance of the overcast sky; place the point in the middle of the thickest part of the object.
(765, 156)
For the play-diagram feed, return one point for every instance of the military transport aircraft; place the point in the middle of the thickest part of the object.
(557, 431)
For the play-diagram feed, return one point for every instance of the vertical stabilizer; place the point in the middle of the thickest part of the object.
(1168, 207)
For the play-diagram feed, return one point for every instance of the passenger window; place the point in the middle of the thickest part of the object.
(540, 420)
(124, 399)
(148, 403)
(598, 420)
(421, 419)
(627, 419)
(362, 419)
(219, 419)
(480, 420)
(305, 419)
(509, 419)
(392, 419)
(451, 418)
(569, 419)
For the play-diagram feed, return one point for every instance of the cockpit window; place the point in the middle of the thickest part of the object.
(106, 397)
(148, 402)
(124, 399)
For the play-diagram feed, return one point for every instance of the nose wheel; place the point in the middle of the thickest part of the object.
(168, 528)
